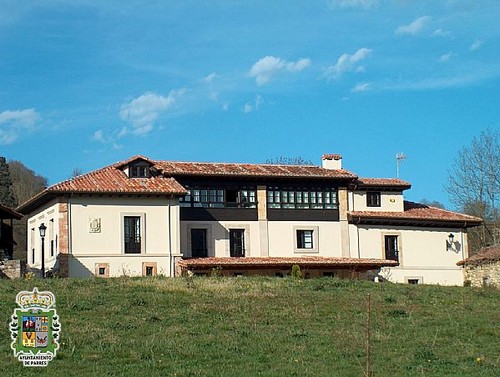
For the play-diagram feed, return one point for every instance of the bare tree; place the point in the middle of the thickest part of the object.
(474, 185)
(76, 172)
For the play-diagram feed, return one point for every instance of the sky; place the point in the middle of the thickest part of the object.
(84, 84)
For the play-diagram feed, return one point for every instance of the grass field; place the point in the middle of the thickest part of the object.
(261, 327)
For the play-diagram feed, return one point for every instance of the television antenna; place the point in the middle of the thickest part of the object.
(400, 158)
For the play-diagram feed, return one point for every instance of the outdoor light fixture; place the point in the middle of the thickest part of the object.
(449, 242)
(42, 228)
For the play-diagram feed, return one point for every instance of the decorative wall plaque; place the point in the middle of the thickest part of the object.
(95, 225)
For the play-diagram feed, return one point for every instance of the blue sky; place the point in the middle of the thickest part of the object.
(88, 83)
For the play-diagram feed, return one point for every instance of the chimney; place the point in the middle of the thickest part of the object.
(331, 161)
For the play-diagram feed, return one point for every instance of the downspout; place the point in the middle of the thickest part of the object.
(70, 228)
(170, 235)
(462, 242)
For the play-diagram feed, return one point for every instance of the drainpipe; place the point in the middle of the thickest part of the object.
(170, 235)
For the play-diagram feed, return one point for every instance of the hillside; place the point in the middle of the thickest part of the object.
(262, 326)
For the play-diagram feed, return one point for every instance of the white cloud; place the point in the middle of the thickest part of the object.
(446, 57)
(15, 122)
(415, 27)
(441, 33)
(269, 66)
(99, 136)
(257, 103)
(476, 45)
(347, 63)
(208, 79)
(343, 4)
(143, 111)
(361, 87)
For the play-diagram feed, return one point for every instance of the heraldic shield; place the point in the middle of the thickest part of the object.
(35, 328)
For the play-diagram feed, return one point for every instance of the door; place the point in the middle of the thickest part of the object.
(237, 242)
(391, 247)
(199, 243)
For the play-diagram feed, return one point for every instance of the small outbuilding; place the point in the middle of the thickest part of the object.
(482, 268)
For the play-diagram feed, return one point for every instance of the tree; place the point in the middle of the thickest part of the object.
(7, 197)
(433, 203)
(25, 184)
(283, 160)
(474, 185)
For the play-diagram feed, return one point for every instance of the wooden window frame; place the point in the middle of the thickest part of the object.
(146, 265)
(98, 267)
(373, 199)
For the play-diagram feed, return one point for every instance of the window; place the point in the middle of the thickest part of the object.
(302, 199)
(140, 170)
(413, 281)
(373, 199)
(391, 248)
(102, 270)
(51, 236)
(219, 198)
(149, 268)
(132, 234)
(304, 239)
(199, 243)
(33, 256)
(237, 242)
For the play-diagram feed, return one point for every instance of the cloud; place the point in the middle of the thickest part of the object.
(347, 63)
(476, 45)
(249, 107)
(361, 87)
(143, 111)
(269, 66)
(99, 136)
(13, 123)
(441, 33)
(446, 57)
(415, 27)
(208, 79)
(343, 4)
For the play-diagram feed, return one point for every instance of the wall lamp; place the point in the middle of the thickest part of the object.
(449, 242)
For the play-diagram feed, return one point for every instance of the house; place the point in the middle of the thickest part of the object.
(483, 268)
(7, 242)
(148, 217)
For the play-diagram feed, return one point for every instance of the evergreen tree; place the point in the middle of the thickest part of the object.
(7, 197)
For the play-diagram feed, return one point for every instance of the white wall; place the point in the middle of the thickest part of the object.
(49, 216)
(281, 238)
(422, 252)
(389, 202)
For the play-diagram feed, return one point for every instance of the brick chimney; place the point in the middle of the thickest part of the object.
(331, 161)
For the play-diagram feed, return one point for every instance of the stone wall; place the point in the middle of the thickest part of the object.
(12, 269)
(484, 274)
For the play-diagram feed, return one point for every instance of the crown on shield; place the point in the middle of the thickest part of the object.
(35, 299)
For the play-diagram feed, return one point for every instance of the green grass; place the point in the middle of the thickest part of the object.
(261, 327)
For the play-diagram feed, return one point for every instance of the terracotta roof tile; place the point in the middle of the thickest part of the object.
(284, 262)
(375, 182)
(113, 180)
(488, 254)
(417, 211)
(249, 170)
(9, 213)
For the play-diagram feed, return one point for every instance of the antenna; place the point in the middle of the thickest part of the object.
(400, 158)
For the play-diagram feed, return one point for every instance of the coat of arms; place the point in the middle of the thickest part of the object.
(35, 328)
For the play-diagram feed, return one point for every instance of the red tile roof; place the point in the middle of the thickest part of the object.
(113, 180)
(488, 254)
(266, 262)
(9, 213)
(249, 170)
(383, 182)
(417, 212)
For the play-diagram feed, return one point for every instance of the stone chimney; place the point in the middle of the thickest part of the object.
(331, 161)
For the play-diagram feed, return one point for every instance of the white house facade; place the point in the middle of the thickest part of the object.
(147, 217)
